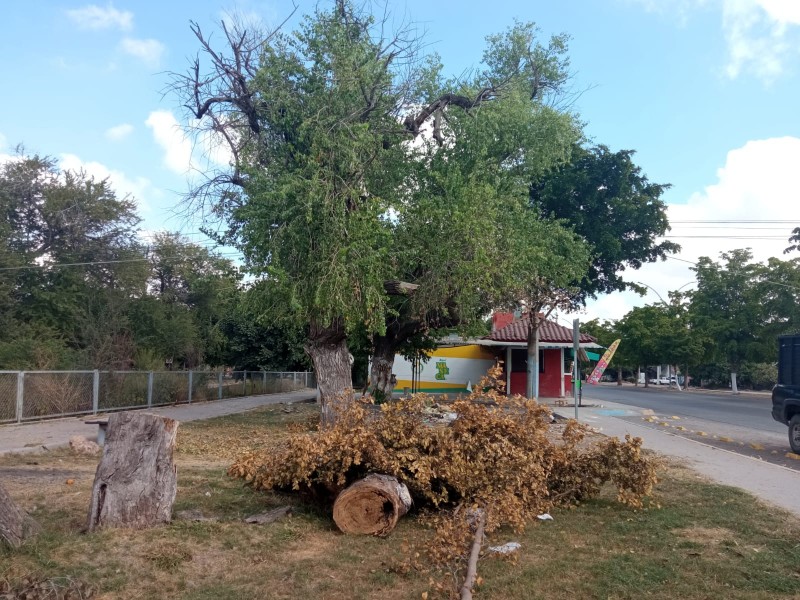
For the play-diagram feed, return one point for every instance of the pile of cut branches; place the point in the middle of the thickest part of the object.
(495, 460)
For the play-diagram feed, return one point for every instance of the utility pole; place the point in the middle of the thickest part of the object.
(576, 380)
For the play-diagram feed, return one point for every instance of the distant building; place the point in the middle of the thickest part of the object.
(458, 364)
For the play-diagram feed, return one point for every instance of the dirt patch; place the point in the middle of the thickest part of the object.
(705, 536)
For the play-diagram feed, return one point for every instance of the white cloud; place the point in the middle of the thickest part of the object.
(761, 35)
(119, 132)
(4, 158)
(140, 188)
(170, 136)
(97, 18)
(148, 51)
(757, 182)
(181, 154)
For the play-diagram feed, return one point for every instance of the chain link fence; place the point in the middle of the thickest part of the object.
(29, 395)
(8, 396)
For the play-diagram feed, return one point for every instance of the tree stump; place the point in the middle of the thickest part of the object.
(371, 506)
(15, 524)
(136, 480)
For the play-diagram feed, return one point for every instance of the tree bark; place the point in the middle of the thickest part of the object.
(327, 348)
(15, 524)
(734, 386)
(136, 480)
(371, 506)
(380, 371)
(619, 375)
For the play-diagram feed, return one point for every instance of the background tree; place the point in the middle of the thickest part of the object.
(70, 250)
(190, 290)
(727, 308)
(641, 329)
(607, 199)
(794, 240)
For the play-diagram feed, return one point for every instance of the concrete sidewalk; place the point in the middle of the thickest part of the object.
(46, 435)
(769, 482)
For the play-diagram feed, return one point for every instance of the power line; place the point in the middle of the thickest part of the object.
(104, 262)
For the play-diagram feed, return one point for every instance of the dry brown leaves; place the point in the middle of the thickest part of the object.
(496, 456)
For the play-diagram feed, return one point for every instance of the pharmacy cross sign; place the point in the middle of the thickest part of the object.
(441, 370)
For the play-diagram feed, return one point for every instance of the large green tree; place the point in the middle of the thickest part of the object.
(727, 308)
(607, 199)
(70, 254)
(323, 178)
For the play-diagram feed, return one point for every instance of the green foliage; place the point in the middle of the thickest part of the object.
(726, 307)
(605, 197)
(253, 343)
(79, 290)
(362, 164)
(52, 217)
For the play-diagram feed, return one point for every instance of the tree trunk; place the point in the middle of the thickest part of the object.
(619, 376)
(677, 383)
(380, 372)
(136, 480)
(15, 524)
(371, 506)
(638, 375)
(532, 389)
(734, 387)
(327, 348)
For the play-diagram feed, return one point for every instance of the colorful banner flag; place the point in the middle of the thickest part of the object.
(594, 378)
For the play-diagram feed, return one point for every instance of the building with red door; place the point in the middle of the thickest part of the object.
(510, 339)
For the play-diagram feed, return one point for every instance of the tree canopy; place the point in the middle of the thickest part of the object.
(358, 163)
(607, 199)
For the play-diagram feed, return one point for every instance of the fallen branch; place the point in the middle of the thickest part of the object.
(472, 565)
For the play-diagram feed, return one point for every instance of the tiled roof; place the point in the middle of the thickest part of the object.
(517, 331)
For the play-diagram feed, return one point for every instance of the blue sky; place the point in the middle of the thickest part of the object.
(705, 91)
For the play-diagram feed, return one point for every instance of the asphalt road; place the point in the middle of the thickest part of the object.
(752, 412)
(742, 424)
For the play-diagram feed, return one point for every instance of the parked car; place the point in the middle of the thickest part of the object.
(663, 380)
(786, 394)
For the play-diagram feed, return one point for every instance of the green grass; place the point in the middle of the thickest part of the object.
(704, 541)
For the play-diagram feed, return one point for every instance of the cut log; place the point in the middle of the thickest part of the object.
(15, 524)
(136, 480)
(371, 506)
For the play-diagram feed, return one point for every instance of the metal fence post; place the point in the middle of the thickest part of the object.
(244, 382)
(20, 394)
(150, 389)
(263, 382)
(95, 391)
(219, 387)
(294, 380)
(190, 386)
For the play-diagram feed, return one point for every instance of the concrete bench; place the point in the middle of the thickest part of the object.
(102, 425)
